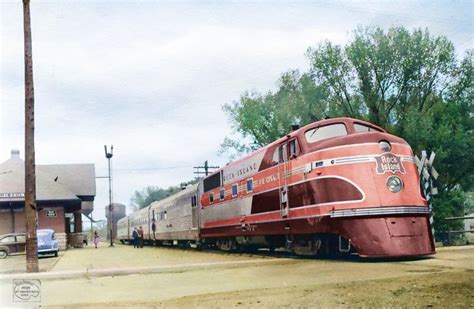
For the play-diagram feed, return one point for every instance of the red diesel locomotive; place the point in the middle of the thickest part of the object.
(334, 186)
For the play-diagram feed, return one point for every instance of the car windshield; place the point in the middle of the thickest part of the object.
(44, 236)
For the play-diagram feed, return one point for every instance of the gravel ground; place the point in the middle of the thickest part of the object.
(445, 280)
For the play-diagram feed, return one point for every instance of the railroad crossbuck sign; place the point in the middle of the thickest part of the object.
(427, 175)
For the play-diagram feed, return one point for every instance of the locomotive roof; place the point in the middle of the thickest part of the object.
(346, 120)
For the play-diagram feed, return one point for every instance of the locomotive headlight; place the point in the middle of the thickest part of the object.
(385, 146)
(394, 184)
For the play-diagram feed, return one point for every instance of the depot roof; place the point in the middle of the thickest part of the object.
(71, 183)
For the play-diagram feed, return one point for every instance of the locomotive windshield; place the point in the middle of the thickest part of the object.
(363, 128)
(325, 132)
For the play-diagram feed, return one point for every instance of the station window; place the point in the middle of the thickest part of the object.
(249, 185)
(235, 190)
(211, 198)
(222, 194)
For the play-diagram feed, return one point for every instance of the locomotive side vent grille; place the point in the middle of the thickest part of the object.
(376, 211)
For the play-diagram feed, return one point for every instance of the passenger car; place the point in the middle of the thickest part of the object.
(47, 244)
(11, 244)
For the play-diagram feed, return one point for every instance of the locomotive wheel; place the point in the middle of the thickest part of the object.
(307, 246)
(227, 245)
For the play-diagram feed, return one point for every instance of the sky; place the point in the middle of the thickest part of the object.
(150, 77)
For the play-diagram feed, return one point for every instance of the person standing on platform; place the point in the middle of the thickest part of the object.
(153, 228)
(96, 239)
(135, 238)
(140, 236)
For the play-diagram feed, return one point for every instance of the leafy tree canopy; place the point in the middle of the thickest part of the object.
(143, 198)
(265, 117)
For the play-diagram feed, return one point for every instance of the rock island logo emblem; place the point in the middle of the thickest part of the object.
(27, 290)
(389, 163)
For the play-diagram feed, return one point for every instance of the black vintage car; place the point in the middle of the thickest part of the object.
(12, 244)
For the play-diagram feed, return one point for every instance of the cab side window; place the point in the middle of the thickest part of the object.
(283, 153)
(293, 147)
(276, 156)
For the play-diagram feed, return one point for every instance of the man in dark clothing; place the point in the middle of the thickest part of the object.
(135, 238)
(153, 228)
(140, 236)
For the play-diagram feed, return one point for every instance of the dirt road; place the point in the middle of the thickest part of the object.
(445, 280)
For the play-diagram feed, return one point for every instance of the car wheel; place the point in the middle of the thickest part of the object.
(3, 254)
(56, 254)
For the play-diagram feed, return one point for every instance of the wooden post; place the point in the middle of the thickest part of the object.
(30, 173)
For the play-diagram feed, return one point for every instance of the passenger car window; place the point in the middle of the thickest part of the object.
(363, 128)
(222, 194)
(234, 190)
(325, 132)
(250, 185)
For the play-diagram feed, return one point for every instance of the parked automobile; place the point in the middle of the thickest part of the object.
(15, 243)
(12, 244)
(47, 243)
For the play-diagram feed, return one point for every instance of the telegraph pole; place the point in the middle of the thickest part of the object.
(109, 155)
(30, 173)
(206, 168)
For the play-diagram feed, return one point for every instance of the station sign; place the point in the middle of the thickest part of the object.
(12, 195)
(50, 213)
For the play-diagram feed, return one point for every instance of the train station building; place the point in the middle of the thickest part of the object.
(64, 192)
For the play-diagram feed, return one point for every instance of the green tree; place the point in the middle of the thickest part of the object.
(379, 74)
(143, 198)
(263, 118)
